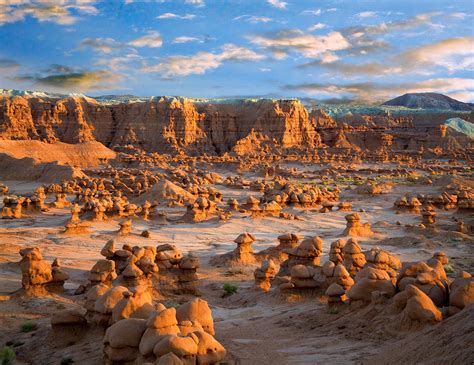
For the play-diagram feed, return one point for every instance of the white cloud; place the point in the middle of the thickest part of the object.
(459, 15)
(447, 56)
(58, 11)
(202, 61)
(108, 45)
(198, 3)
(328, 57)
(120, 62)
(138, 1)
(104, 45)
(264, 69)
(311, 12)
(176, 16)
(73, 80)
(316, 27)
(184, 39)
(467, 97)
(7, 66)
(308, 45)
(454, 54)
(367, 14)
(373, 92)
(151, 40)
(278, 4)
(254, 19)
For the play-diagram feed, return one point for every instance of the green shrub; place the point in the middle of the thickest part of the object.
(448, 268)
(7, 355)
(230, 289)
(28, 326)
(171, 304)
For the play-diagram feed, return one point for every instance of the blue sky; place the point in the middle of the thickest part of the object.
(358, 50)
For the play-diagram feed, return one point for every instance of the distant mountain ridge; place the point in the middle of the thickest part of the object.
(429, 101)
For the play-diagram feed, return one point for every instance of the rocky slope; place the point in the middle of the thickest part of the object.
(429, 101)
(168, 124)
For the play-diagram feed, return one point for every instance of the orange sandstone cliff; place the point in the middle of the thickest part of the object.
(170, 124)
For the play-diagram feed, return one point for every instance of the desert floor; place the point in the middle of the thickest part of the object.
(255, 327)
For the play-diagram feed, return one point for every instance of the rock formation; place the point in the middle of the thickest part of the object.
(355, 228)
(245, 127)
(279, 253)
(368, 280)
(264, 275)
(307, 253)
(38, 276)
(242, 255)
(354, 259)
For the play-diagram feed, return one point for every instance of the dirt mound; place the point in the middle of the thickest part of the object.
(453, 182)
(449, 342)
(166, 191)
(29, 169)
(88, 154)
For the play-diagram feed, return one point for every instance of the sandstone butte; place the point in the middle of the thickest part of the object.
(174, 124)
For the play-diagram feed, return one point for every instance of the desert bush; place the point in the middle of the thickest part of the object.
(28, 326)
(7, 355)
(230, 289)
(171, 304)
(448, 268)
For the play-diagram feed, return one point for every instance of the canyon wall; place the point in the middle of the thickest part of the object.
(167, 124)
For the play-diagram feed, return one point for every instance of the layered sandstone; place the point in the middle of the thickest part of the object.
(170, 124)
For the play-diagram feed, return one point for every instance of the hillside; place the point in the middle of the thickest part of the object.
(428, 101)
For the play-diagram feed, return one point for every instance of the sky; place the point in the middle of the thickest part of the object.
(333, 51)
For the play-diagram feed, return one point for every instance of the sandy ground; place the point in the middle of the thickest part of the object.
(255, 328)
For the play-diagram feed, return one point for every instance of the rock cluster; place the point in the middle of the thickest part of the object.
(103, 272)
(12, 207)
(428, 216)
(337, 274)
(383, 260)
(107, 305)
(336, 294)
(125, 227)
(369, 280)
(287, 241)
(242, 255)
(162, 267)
(38, 276)
(187, 274)
(307, 253)
(354, 259)
(168, 256)
(429, 277)
(336, 251)
(410, 204)
(461, 291)
(264, 275)
(199, 210)
(75, 226)
(417, 306)
(286, 193)
(302, 278)
(167, 336)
